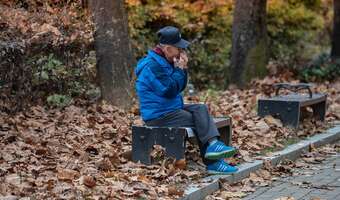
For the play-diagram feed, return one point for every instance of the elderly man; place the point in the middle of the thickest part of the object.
(161, 77)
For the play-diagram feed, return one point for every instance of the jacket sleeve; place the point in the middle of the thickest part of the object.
(165, 84)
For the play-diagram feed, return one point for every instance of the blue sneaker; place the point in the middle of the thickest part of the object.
(219, 150)
(221, 167)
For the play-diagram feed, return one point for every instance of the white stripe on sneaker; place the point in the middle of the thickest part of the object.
(217, 148)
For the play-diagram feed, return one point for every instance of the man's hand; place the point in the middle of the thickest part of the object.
(182, 62)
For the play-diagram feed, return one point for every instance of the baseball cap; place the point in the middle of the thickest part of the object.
(171, 36)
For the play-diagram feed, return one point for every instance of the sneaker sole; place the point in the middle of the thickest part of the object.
(212, 172)
(219, 155)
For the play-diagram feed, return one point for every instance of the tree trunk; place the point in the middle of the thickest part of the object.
(249, 54)
(113, 51)
(335, 53)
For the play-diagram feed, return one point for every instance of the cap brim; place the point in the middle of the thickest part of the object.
(183, 44)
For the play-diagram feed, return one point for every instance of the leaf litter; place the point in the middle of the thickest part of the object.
(85, 150)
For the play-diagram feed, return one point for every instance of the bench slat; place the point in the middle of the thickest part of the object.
(222, 121)
(304, 100)
(171, 138)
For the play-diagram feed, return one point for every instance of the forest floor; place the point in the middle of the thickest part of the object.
(85, 150)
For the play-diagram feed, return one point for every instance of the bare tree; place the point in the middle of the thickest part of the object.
(113, 51)
(335, 52)
(249, 55)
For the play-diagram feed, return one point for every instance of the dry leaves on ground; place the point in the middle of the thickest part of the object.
(85, 149)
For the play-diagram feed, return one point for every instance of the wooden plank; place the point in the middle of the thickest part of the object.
(297, 97)
(313, 101)
(219, 122)
(222, 121)
(304, 100)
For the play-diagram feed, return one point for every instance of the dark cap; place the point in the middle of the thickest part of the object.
(170, 35)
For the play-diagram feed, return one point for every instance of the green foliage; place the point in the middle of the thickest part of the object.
(57, 100)
(51, 75)
(51, 69)
(321, 69)
(294, 29)
(207, 24)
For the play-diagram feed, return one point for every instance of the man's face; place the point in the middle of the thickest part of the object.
(171, 52)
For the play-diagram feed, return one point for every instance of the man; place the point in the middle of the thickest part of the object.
(161, 77)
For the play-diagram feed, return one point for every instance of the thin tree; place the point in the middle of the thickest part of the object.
(113, 51)
(249, 55)
(335, 52)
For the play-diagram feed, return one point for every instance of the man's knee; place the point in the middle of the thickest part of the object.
(186, 115)
(196, 107)
(202, 106)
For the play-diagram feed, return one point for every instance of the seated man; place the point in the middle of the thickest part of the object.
(161, 77)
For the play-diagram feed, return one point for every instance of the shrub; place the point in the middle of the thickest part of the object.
(320, 69)
(294, 29)
(57, 100)
(206, 23)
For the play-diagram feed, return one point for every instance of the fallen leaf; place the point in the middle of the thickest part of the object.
(10, 197)
(285, 198)
(173, 190)
(311, 160)
(157, 153)
(67, 174)
(89, 181)
(180, 164)
(144, 179)
(48, 28)
(263, 127)
(315, 198)
(272, 121)
(228, 195)
(127, 155)
(13, 179)
(191, 174)
(105, 164)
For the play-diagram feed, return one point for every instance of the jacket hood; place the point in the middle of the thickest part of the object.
(155, 57)
(140, 66)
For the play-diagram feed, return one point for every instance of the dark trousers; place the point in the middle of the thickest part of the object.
(195, 116)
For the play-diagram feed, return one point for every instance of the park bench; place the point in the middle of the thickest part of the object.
(288, 107)
(172, 139)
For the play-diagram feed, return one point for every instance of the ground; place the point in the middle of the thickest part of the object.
(314, 181)
(315, 176)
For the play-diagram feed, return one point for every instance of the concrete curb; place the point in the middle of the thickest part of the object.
(210, 184)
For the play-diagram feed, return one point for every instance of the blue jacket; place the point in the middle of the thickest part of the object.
(158, 86)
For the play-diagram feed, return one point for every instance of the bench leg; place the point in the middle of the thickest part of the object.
(173, 140)
(142, 144)
(319, 110)
(143, 139)
(287, 112)
(225, 134)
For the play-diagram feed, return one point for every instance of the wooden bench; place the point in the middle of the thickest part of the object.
(172, 139)
(288, 107)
